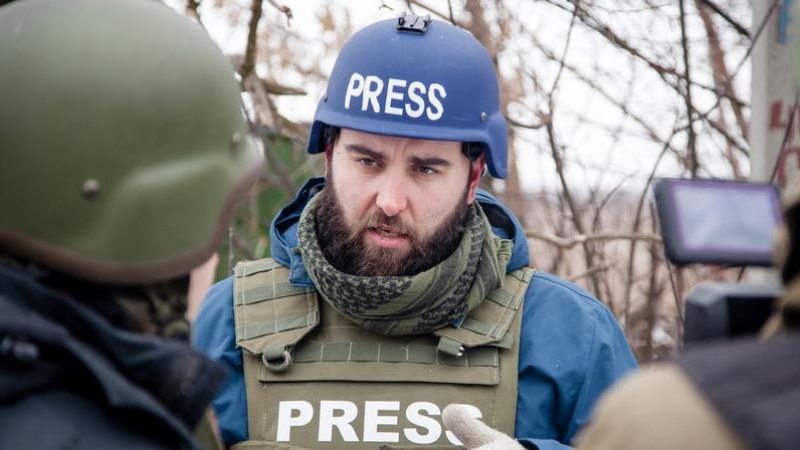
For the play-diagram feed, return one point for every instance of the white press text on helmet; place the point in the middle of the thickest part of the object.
(395, 96)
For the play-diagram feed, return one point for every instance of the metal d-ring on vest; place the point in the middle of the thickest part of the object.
(277, 365)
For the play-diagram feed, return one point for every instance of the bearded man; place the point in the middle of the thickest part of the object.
(396, 286)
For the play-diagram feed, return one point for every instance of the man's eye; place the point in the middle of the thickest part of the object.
(425, 170)
(366, 162)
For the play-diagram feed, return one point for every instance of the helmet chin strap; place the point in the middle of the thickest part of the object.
(477, 169)
(472, 150)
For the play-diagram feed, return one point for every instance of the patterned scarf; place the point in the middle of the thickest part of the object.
(422, 303)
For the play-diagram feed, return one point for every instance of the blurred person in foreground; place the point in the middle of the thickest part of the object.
(124, 151)
(728, 395)
(396, 286)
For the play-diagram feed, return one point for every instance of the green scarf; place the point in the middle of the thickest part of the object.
(417, 304)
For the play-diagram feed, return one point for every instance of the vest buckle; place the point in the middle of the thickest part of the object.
(279, 364)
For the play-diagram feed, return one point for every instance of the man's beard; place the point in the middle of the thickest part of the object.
(346, 250)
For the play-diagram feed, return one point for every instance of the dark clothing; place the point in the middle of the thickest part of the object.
(754, 387)
(69, 380)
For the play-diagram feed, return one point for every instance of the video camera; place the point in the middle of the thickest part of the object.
(728, 223)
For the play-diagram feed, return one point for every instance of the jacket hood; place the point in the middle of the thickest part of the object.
(283, 232)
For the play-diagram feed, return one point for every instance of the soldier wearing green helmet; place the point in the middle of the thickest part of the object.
(125, 151)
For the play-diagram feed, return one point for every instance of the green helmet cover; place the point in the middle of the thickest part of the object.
(124, 144)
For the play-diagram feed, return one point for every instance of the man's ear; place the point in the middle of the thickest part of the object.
(475, 172)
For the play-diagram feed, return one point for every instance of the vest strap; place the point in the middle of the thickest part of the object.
(489, 322)
(271, 315)
(449, 346)
(388, 352)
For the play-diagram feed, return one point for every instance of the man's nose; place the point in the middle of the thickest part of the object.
(392, 197)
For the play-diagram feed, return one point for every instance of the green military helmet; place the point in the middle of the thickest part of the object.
(124, 146)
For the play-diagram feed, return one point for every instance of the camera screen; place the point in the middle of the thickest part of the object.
(717, 222)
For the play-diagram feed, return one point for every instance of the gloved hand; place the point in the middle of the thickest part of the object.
(474, 434)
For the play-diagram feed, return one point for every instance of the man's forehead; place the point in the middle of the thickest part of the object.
(389, 144)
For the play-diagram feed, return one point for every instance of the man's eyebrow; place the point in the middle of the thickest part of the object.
(430, 161)
(416, 160)
(360, 149)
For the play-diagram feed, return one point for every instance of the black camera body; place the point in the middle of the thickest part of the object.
(714, 311)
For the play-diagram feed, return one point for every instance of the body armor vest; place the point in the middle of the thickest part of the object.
(316, 380)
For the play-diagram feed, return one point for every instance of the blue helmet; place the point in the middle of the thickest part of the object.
(416, 78)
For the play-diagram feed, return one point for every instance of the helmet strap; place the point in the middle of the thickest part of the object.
(476, 170)
(329, 135)
(472, 150)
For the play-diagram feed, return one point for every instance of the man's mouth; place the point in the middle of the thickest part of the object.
(387, 231)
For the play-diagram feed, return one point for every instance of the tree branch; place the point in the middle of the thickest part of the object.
(285, 10)
(580, 239)
(687, 96)
(736, 26)
(249, 63)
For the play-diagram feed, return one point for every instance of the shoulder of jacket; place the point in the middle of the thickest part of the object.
(547, 287)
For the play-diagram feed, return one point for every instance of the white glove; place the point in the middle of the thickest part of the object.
(474, 434)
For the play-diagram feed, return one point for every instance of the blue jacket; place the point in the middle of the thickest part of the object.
(571, 348)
